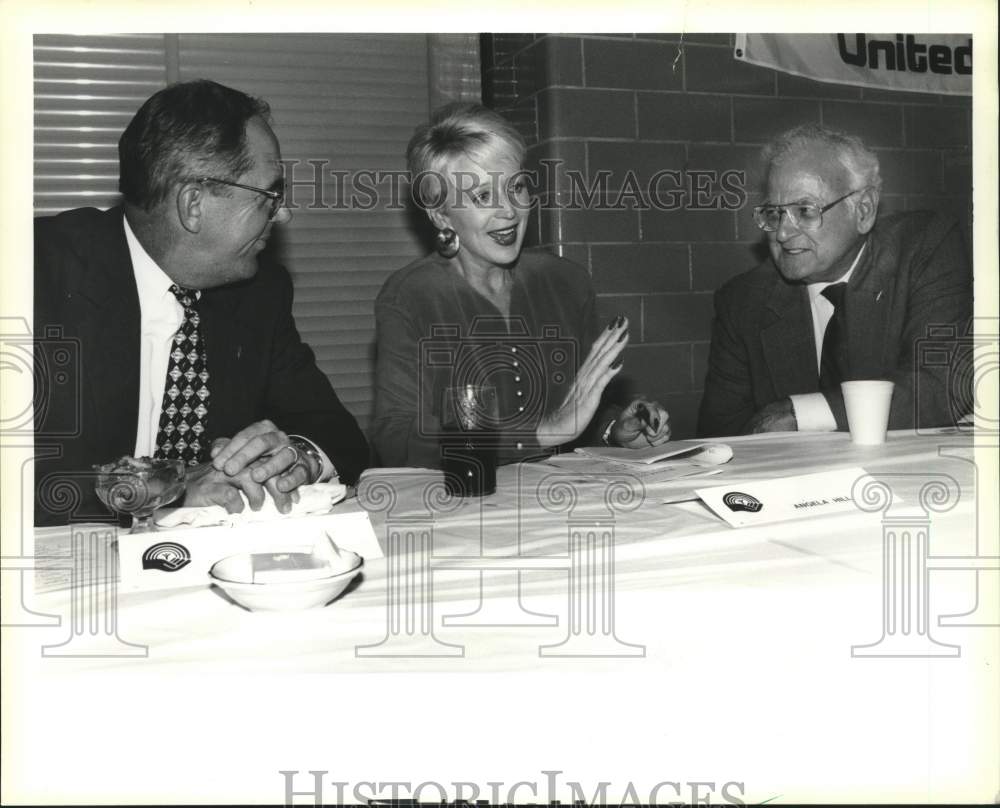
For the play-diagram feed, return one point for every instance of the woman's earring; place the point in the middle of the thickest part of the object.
(447, 243)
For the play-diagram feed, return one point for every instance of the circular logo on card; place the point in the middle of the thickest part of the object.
(737, 501)
(168, 556)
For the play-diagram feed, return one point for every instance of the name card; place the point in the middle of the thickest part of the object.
(180, 557)
(784, 498)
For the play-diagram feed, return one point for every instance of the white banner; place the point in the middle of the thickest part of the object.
(922, 63)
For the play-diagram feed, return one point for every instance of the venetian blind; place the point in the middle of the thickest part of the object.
(347, 103)
(341, 104)
(87, 88)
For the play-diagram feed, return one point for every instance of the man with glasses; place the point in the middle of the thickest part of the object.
(846, 294)
(187, 345)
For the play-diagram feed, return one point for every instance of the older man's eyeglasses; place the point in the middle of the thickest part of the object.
(802, 216)
(276, 199)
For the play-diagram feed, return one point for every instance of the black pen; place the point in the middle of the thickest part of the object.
(643, 414)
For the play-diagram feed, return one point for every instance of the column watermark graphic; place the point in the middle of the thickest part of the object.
(588, 564)
(42, 409)
(969, 360)
(20, 563)
(410, 629)
(960, 364)
(906, 535)
(93, 618)
(591, 555)
(32, 370)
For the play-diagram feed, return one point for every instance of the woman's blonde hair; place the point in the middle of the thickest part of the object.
(457, 130)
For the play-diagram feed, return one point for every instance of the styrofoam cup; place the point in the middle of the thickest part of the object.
(867, 402)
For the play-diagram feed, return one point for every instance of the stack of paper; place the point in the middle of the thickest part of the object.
(669, 461)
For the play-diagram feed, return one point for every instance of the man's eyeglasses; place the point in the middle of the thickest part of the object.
(277, 198)
(804, 217)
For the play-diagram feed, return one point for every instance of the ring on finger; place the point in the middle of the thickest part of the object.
(295, 452)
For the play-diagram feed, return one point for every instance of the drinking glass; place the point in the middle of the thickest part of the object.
(139, 486)
(469, 419)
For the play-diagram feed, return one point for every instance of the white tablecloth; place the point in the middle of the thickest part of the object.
(710, 654)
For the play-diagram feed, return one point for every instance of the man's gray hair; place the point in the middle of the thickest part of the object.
(859, 161)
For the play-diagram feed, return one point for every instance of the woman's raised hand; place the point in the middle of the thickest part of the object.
(601, 365)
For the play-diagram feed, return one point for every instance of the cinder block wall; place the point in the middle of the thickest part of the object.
(647, 103)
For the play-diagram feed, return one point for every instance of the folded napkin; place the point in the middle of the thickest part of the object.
(313, 499)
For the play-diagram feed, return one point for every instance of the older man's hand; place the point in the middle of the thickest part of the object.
(259, 440)
(207, 485)
(778, 416)
(643, 423)
(258, 457)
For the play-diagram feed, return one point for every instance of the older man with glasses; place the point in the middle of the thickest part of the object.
(847, 294)
(184, 331)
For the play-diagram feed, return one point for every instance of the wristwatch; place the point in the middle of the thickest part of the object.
(305, 449)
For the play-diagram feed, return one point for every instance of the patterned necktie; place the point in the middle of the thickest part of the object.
(833, 364)
(184, 413)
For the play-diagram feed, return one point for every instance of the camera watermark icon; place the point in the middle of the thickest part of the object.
(41, 377)
(529, 373)
(962, 362)
(959, 363)
(415, 506)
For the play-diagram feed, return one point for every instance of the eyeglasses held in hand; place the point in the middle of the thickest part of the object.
(277, 198)
(803, 216)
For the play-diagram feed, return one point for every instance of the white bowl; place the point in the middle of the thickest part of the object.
(234, 575)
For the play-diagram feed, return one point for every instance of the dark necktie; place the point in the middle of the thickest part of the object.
(184, 413)
(833, 363)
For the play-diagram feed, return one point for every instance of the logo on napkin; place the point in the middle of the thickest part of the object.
(167, 556)
(737, 501)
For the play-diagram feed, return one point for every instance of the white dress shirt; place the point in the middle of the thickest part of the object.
(160, 315)
(812, 411)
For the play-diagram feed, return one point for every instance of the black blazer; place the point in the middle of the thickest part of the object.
(913, 280)
(86, 328)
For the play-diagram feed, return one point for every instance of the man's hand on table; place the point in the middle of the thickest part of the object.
(778, 416)
(257, 459)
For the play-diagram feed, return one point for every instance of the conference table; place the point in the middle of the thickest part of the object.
(609, 628)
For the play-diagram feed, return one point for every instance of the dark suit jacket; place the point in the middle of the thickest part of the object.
(914, 274)
(86, 303)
